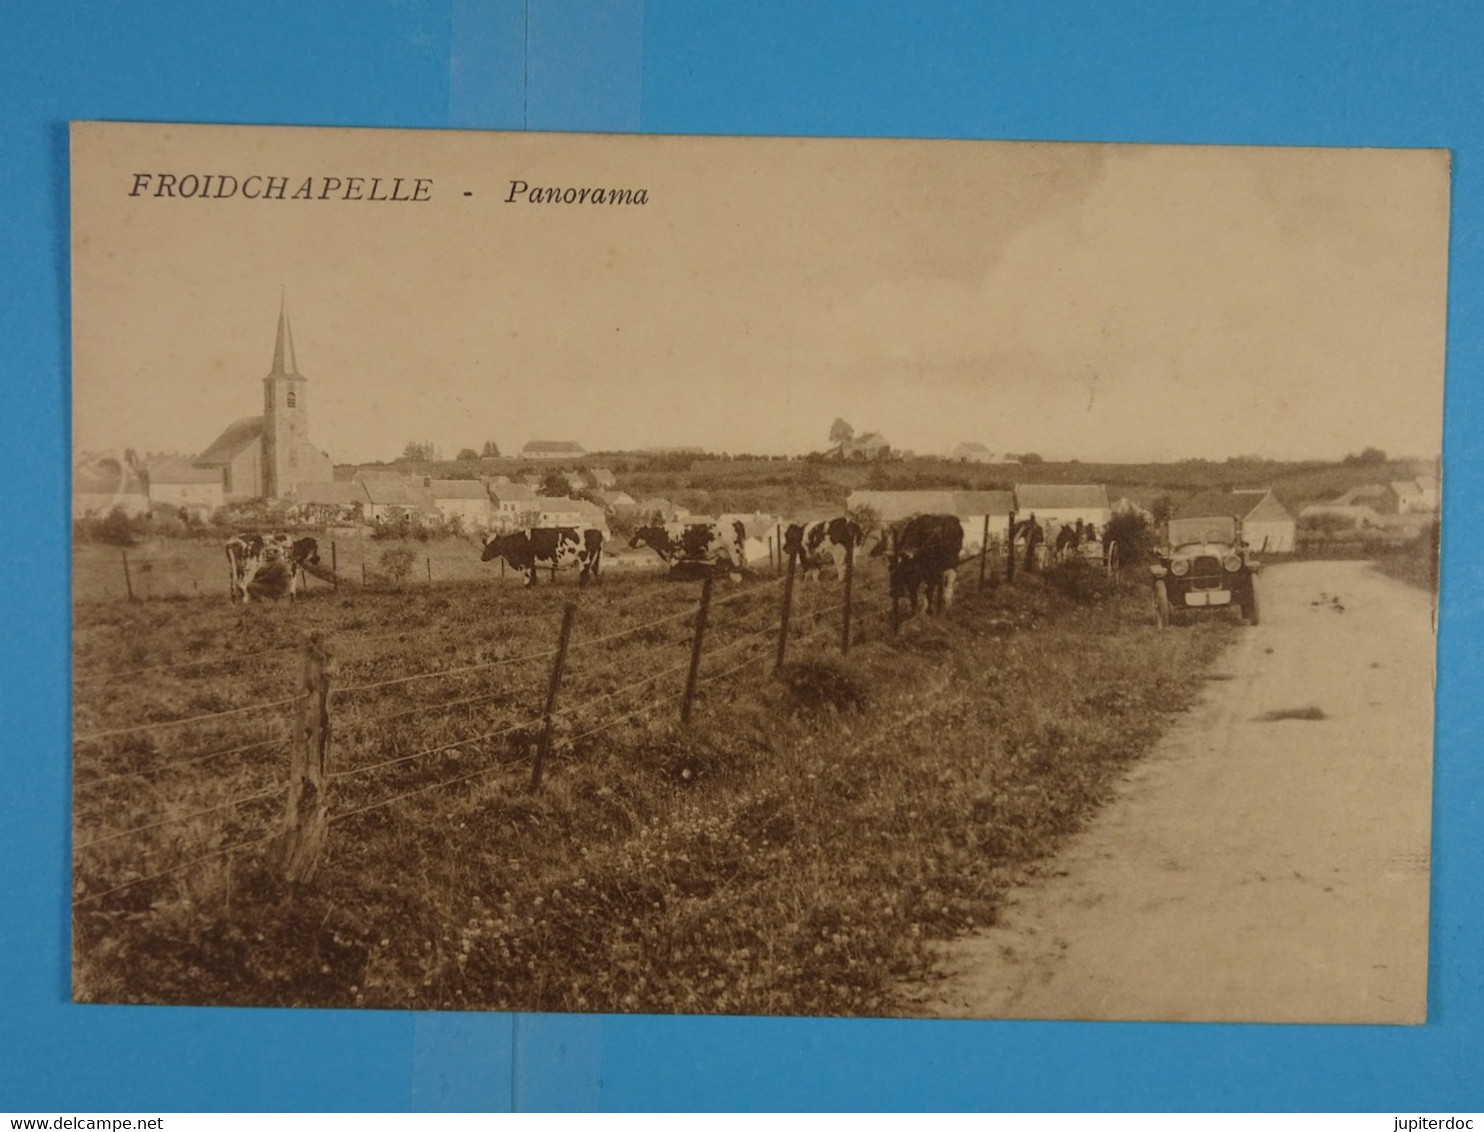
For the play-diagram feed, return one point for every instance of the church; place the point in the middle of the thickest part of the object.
(267, 456)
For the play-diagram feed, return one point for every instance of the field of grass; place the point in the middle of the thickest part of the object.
(167, 568)
(789, 851)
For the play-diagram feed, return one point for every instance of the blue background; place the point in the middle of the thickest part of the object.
(1265, 73)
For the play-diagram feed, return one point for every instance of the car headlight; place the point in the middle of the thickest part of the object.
(1180, 567)
(1232, 562)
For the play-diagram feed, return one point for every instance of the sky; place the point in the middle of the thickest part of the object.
(1089, 301)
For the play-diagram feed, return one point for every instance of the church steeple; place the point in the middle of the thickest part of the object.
(283, 349)
(286, 448)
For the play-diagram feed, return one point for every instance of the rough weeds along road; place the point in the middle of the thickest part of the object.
(1249, 869)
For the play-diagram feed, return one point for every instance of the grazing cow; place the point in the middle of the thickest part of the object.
(926, 558)
(810, 542)
(553, 548)
(1069, 540)
(709, 543)
(269, 566)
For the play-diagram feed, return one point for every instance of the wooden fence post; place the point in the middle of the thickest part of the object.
(1010, 549)
(695, 650)
(896, 608)
(778, 542)
(849, 577)
(307, 813)
(429, 561)
(788, 602)
(334, 566)
(984, 550)
(544, 747)
(128, 582)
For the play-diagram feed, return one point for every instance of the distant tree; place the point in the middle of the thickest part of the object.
(1032, 458)
(490, 451)
(1162, 508)
(116, 529)
(1367, 456)
(841, 432)
(554, 485)
(420, 450)
(468, 454)
(396, 564)
(867, 516)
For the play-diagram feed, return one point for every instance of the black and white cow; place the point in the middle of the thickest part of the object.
(268, 567)
(549, 548)
(926, 558)
(811, 542)
(708, 543)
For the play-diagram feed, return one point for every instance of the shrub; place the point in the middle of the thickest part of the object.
(1135, 538)
(824, 683)
(1081, 582)
(115, 528)
(397, 562)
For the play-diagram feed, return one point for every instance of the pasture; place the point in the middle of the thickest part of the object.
(789, 850)
(170, 568)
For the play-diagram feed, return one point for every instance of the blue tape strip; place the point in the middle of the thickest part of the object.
(541, 65)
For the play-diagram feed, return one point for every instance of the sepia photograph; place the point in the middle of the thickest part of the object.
(753, 576)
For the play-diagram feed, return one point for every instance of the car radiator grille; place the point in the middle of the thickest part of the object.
(1206, 573)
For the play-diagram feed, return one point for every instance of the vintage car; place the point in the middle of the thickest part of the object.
(1204, 565)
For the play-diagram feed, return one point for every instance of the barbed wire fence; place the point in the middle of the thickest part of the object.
(426, 730)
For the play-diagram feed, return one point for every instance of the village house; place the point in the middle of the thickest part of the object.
(330, 503)
(972, 452)
(516, 505)
(657, 509)
(176, 482)
(465, 500)
(616, 502)
(1063, 504)
(1267, 526)
(559, 511)
(552, 450)
(103, 481)
(866, 446)
(392, 498)
(972, 508)
(1354, 516)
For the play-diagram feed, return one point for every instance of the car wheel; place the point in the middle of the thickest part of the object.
(1161, 605)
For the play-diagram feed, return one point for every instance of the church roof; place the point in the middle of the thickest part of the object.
(174, 470)
(283, 348)
(226, 447)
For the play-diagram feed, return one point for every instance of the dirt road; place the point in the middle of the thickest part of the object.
(1262, 864)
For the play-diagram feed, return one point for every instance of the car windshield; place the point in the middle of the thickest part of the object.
(1186, 531)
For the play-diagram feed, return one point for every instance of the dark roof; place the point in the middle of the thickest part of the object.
(512, 493)
(176, 470)
(226, 447)
(338, 492)
(458, 489)
(1051, 496)
(1233, 504)
(893, 505)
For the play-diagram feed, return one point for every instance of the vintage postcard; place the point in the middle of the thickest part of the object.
(753, 575)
